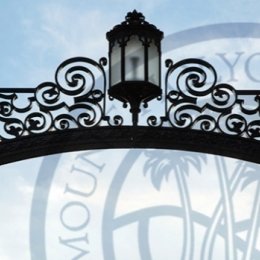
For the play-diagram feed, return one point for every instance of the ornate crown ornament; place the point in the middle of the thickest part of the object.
(71, 113)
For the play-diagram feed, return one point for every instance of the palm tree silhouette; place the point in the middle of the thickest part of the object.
(228, 207)
(160, 165)
(211, 233)
(250, 176)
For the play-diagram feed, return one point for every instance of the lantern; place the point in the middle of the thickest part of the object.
(134, 62)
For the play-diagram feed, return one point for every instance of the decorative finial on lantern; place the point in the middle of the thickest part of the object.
(135, 18)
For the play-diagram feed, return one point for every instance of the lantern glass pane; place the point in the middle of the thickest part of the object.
(134, 59)
(116, 64)
(153, 64)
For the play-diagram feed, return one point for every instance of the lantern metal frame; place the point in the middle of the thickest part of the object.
(71, 114)
(134, 92)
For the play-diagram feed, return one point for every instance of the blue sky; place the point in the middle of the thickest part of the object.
(36, 36)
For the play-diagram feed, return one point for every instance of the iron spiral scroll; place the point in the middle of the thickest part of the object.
(71, 114)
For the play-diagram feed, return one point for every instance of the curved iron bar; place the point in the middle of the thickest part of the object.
(70, 114)
(108, 137)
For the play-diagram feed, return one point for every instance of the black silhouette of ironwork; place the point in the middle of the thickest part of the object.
(71, 114)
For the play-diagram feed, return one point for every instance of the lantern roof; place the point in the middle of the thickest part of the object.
(134, 24)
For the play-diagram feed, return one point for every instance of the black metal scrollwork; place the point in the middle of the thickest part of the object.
(194, 100)
(73, 101)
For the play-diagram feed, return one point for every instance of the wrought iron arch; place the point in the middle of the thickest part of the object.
(70, 114)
